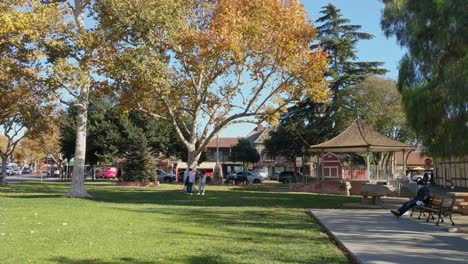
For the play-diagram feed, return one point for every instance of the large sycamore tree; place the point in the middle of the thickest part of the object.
(223, 62)
(24, 97)
(72, 53)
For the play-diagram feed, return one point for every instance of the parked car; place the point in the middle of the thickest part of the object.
(275, 176)
(420, 177)
(262, 173)
(165, 176)
(16, 170)
(27, 170)
(9, 170)
(251, 177)
(107, 173)
(291, 177)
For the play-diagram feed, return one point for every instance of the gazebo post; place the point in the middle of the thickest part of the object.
(367, 165)
(321, 165)
(404, 163)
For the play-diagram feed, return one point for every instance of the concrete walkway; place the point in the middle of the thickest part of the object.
(378, 237)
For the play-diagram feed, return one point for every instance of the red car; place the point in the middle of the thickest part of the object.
(107, 173)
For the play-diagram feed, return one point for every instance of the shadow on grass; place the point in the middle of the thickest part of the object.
(222, 199)
(65, 260)
(204, 259)
(234, 197)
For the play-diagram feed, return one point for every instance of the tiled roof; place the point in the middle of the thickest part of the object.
(359, 137)
(416, 158)
(223, 142)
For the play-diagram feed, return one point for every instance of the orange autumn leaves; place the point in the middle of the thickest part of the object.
(268, 34)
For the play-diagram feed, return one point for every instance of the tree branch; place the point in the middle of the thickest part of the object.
(174, 122)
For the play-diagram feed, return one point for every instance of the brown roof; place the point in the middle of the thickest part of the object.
(223, 142)
(359, 137)
(416, 158)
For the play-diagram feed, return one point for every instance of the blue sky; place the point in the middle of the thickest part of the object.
(360, 12)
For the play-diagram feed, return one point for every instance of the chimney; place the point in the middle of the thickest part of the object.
(259, 127)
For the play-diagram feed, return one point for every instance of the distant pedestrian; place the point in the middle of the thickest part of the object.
(244, 177)
(191, 181)
(425, 178)
(119, 174)
(202, 184)
(185, 180)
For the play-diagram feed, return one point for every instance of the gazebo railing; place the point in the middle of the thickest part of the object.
(395, 178)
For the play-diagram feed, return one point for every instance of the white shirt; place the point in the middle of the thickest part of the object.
(203, 179)
(191, 176)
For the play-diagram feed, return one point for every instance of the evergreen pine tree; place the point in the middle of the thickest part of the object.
(339, 38)
(138, 161)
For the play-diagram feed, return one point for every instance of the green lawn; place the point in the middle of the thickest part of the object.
(163, 225)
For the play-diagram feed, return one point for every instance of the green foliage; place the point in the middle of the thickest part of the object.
(378, 101)
(433, 75)
(138, 160)
(339, 39)
(286, 141)
(309, 122)
(243, 151)
(107, 136)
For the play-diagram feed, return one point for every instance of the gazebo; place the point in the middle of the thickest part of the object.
(361, 138)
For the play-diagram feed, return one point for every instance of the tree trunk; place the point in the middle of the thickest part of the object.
(192, 160)
(3, 175)
(77, 186)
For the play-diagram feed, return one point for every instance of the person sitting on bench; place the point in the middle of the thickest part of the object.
(422, 198)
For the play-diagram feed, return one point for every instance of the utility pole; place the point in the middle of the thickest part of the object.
(217, 170)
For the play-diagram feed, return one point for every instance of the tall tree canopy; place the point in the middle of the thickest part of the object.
(339, 38)
(244, 152)
(433, 75)
(108, 132)
(314, 122)
(378, 101)
(25, 101)
(225, 62)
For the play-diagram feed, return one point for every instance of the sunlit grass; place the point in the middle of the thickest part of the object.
(163, 225)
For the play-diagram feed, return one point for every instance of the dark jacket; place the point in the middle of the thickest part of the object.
(423, 195)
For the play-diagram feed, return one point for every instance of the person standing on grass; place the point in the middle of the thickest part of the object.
(186, 178)
(191, 181)
(245, 180)
(202, 184)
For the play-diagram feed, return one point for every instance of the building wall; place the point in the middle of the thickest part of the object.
(452, 173)
(224, 154)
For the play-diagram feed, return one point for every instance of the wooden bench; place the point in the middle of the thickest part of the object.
(461, 200)
(440, 206)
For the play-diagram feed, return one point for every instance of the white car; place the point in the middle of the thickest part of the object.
(261, 173)
(252, 176)
(419, 177)
(16, 170)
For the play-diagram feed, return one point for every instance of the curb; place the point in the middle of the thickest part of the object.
(341, 246)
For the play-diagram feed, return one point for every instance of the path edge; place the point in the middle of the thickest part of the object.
(341, 246)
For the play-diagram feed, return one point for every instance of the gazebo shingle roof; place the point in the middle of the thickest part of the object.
(359, 137)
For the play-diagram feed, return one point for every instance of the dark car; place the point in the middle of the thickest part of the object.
(27, 171)
(290, 177)
(165, 176)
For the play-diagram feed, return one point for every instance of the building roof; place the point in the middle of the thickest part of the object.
(415, 159)
(258, 134)
(223, 142)
(359, 137)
